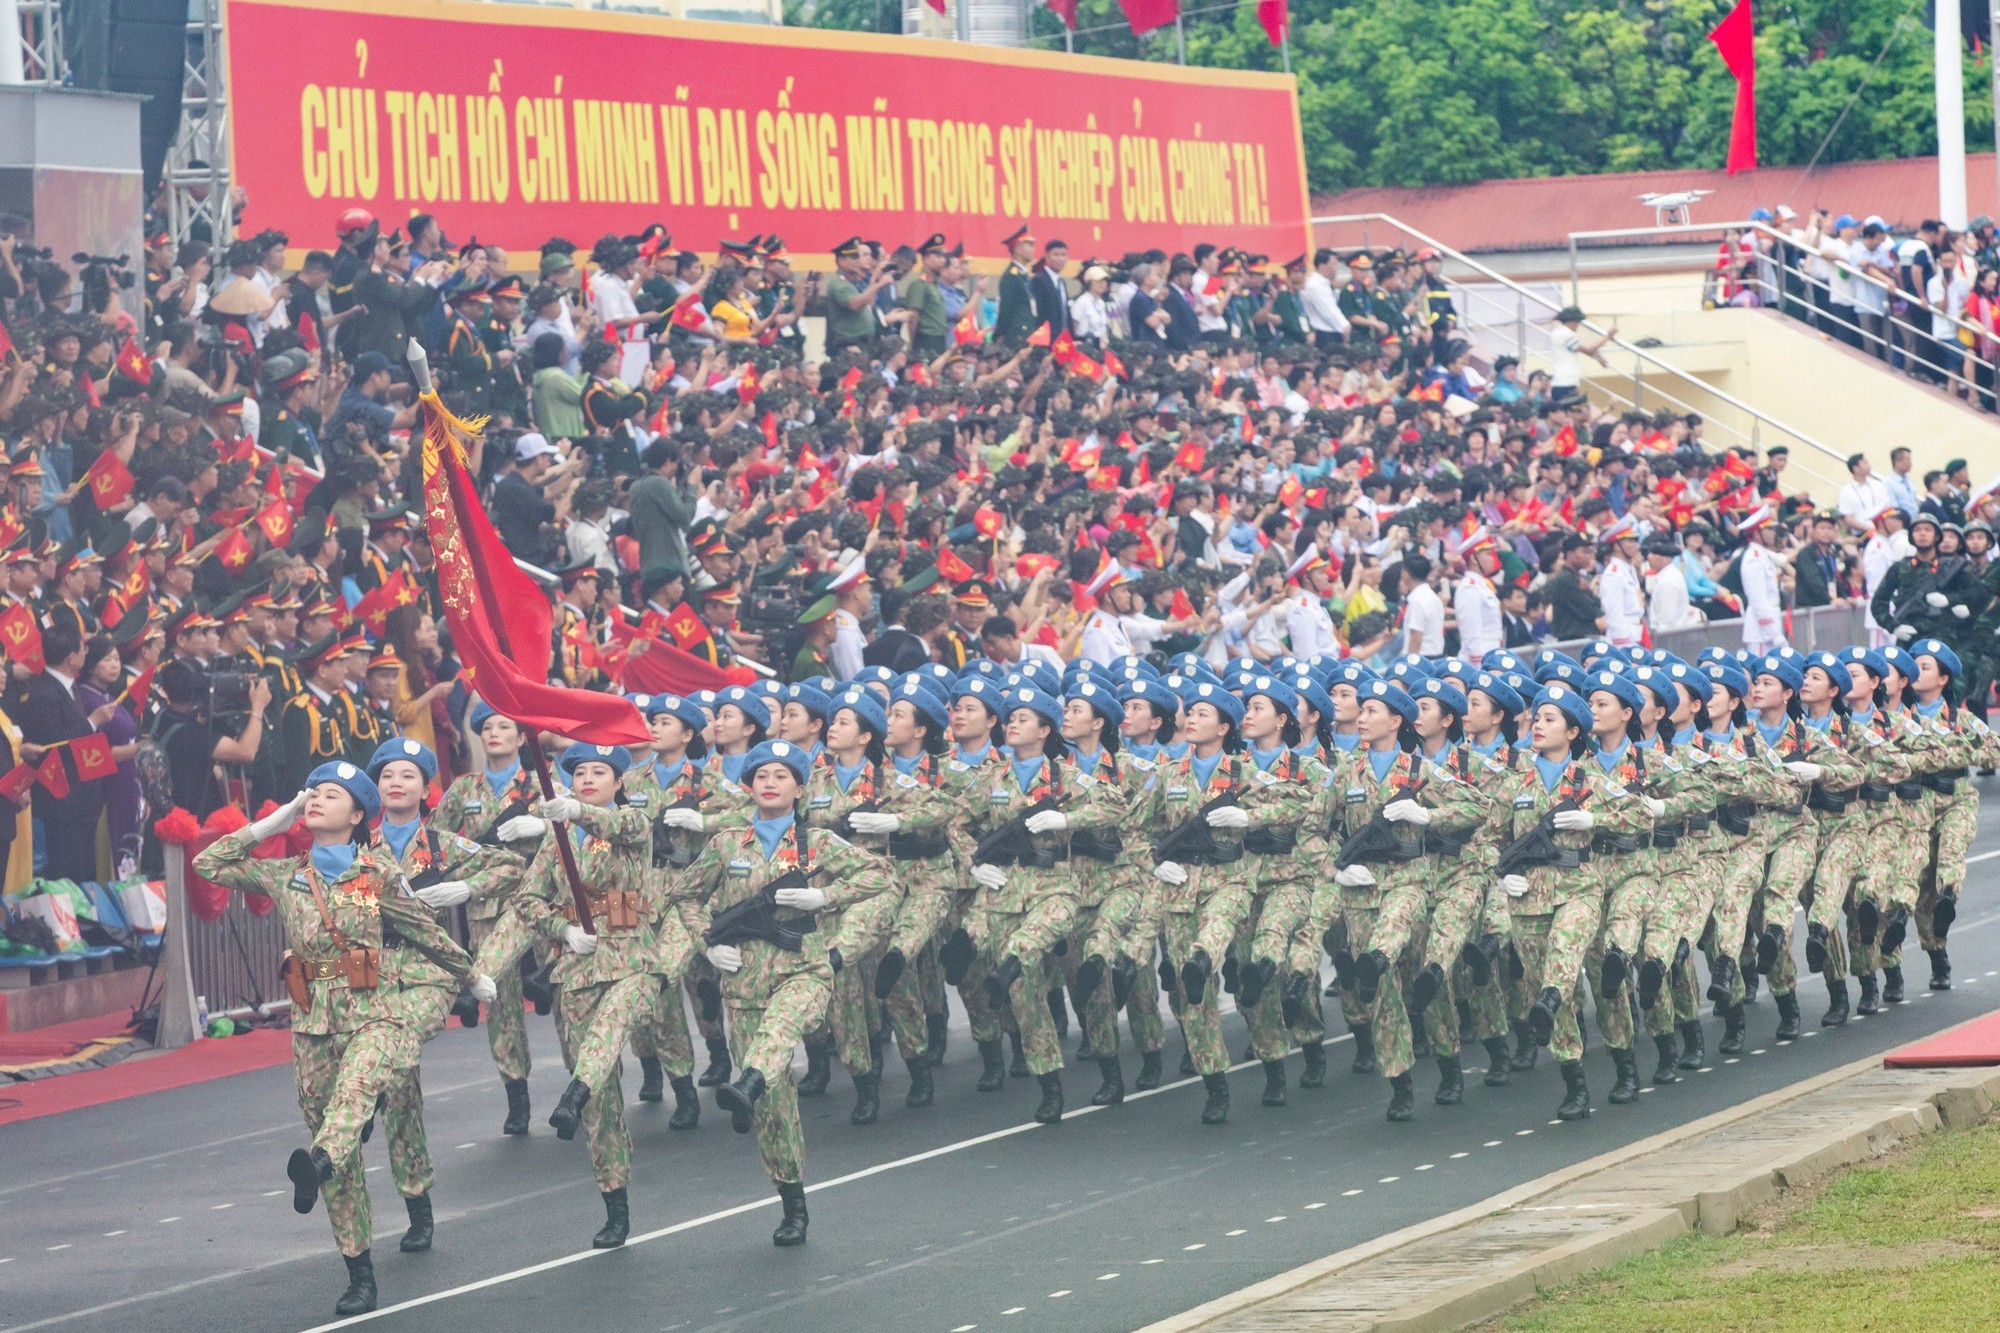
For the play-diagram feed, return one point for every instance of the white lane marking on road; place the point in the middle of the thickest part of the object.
(1150, 1262)
(1388, 1180)
(1279, 1218)
(109, 1234)
(1106, 1277)
(1238, 1232)
(1348, 1194)
(8, 1260)
(1016, 1310)
(468, 1145)
(220, 1206)
(1455, 1156)
(1759, 1051)
(1198, 1245)
(1733, 1060)
(163, 1221)
(1427, 1166)
(1058, 1295)
(965, 1328)
(1522, 1133)
(1491, 1143)
(272, 1194)
(53, 1248)
(1314, 1207)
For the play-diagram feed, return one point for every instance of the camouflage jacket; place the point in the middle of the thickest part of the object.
(614, 855)
(472, 809)
(1524, 798)
(491, 873)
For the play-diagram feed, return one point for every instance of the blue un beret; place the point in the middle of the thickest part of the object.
(402, 747)
(1784, 670)
(774, 752)
(748, 701)
(1394, 696)
(1835, 669)
(1571, 704)
(867, 710)
(351, 779)
(617, 756)
(1947, 660)
(1217, 697)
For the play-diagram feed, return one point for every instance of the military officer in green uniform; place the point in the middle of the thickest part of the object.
(930, 327)
(1016, 319)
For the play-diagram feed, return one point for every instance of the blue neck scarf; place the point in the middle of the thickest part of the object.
(1442, 756)
(1088, 760)
(1933, 708)
(1608, 759)
(732, 766)
(1820, 723)
(499, 778)
(769, 831)
(1175, 749)
(398, 835)
(1685, 737)
(1026, 771)
(334, 861)
(844, 774)
(1550, 771)
(1722, 737)
(1265, 758)
(1147, 750)
(1204, 769)
(1492, 750)
(1346, 742)
(668, 774)
(1382, 761)
(974, 758)
(1772, 735)
(909, 765)
(1863, 716)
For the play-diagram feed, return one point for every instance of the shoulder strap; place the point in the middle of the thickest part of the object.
(340, 941)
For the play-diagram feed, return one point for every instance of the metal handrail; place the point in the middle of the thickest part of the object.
(1643, 356)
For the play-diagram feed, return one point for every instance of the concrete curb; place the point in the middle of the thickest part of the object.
(1955, 1098)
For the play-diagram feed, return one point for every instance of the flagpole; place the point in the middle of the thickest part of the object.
(1993, 56)
(420, 371)
(1947, 45)
(1285, 47)
(1180, 38)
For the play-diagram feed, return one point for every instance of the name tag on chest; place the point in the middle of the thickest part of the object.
(999, 797)
(821, 802)
(739, 868)
(1356, 795)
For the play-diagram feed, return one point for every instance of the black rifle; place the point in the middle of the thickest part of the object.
(667, 853)
(1012, 844)
(1376, 841)
(514, 810)
(756, 917)
(1192, 841)
(1936, 581)
(843, 828)
(1538, 846)
(1104, 845)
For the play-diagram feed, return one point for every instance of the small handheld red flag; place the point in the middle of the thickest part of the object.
(51, 775)
(17, 781)
(1182, 608)
(109, 479)
(275, 519)
(234, 550)
(22, 637)
(690, 314)
(1191, 456)
(139, 692)
(967, 329)
(1040, 337)
(92, 754)
(1115, 364)
(1062, 349)
(952, 569)
(133, 363)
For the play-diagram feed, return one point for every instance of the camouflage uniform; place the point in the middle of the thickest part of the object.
(1899, 877)
(1967, 743)
(662, 1030)
(1280, 888)
(602, 994)
(967, 788)
(1793, 837)
(921, 850)
(1114, 935)
(1460, 910)
(427, 990)
(348, 1046)
(776, 997)
(1849, 841)
(473, 809)
(1739, 843)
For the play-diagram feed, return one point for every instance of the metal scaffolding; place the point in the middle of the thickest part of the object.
(196, 174)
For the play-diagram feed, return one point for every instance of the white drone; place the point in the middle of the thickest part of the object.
(1671, 210)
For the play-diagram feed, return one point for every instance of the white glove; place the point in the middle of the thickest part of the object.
(522, 826)
(1047, 821)
(725, 957)
(1170, 872)
(874, 821)
(1962, 611)
(991, 877)
(578, 940)
(561, 809)
(1804, 771)
(684, 817)
(1936, 600)
(807, 899)
(1228, 816)
(1904, 633)
(280, 819)
(483, 989)
(450, 893)
(1515, 885)
(1354, 877)
(1574, 821)
(1654, 805)
(1406, 811)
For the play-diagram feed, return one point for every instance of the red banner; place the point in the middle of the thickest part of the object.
(517, 123)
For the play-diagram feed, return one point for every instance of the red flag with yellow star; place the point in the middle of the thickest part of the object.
(235, 551)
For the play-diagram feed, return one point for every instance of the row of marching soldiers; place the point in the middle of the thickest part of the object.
(1476, 848)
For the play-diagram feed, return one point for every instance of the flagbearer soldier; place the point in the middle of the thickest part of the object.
(1016, 319)
(754, 895)
(351, 1041)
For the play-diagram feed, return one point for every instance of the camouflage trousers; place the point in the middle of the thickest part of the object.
(594, 1023)
(988, 1021)
(1899, 879)
(1306, 947)
(1201, 1019)
(339, 1077)
(1787, 871)
(661, 1032)
(1460, 906)
(1957, 822)
(852, 1016)
(763, 1029)
(1266, 936)
(1387, 922)
(920, 990)
(425, 1008)
(702, 976)
(1575, 933)
(1739, 862)
(1532, 936)
(1029, 935)
(1842, 878)
(1097, 1014)
(506, 1015)
(1115, 935)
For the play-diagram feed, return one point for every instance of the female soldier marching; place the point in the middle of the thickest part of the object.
(349, 1042)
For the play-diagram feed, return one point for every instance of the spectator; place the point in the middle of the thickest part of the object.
(532, 496)
(1864, 494)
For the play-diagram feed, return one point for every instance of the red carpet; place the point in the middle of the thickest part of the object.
(1969, 1045)
(194, 1063)
(59, 1039)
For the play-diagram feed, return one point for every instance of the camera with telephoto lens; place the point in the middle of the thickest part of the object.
(116, 268)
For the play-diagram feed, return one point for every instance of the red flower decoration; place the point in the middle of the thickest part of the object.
(177, 827)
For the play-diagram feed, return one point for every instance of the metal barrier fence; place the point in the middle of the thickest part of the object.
(233, 960)
(1821, 627)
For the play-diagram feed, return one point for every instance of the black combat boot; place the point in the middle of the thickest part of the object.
(1694, 1053)
(1229, 974)
(1314, 1074)
(819, 1068)
(1425, 989)
(1652, 976)
(1000, 981)
(1769, 945)
(956, 956)
(740, 1099)
(1274, 1083)
(993, 1069)
(569, 1111)
(1870, 997)
(1498, 1062)
(1402, 1098)
(1451, 1081)
(791, 1231)
(1940, 969)
(1734, 1023)
(867, 1099)
(1251, 985)
(922, 1090)
(937, 1033)
(1612, 975)
(1576, 1092)
(1669, 1068)
(1868, 920)
(1751, 982)
(517, 1106)
(1364, 1050)
(308, 1171)
(1195, 973)
(1149, 1071)
(1788, 1016)
(1815, 947)
(652, 1080)
(1051, 1107)
(359, 1298)
(708, 1005)
(1298, 989)
(1892, 985)
(1720, 978)
(1217, 1109)
(1089, 976)
(687, 1104)
(617, 1222)
(418, 1238)
(1895, 927)
(1124, 973)
(1018, 1066)
(1625, 1087)
(1943, 912)
(1526, 1049)
(466, 1009)
(718, 1069)
(1369, 969)
(1836, 1009)
(888, 972)
(1112, 1090)
(1542, 1015)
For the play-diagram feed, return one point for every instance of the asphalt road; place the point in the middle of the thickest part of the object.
(172, 1211)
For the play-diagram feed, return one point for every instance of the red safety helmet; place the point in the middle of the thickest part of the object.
(353, 220)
